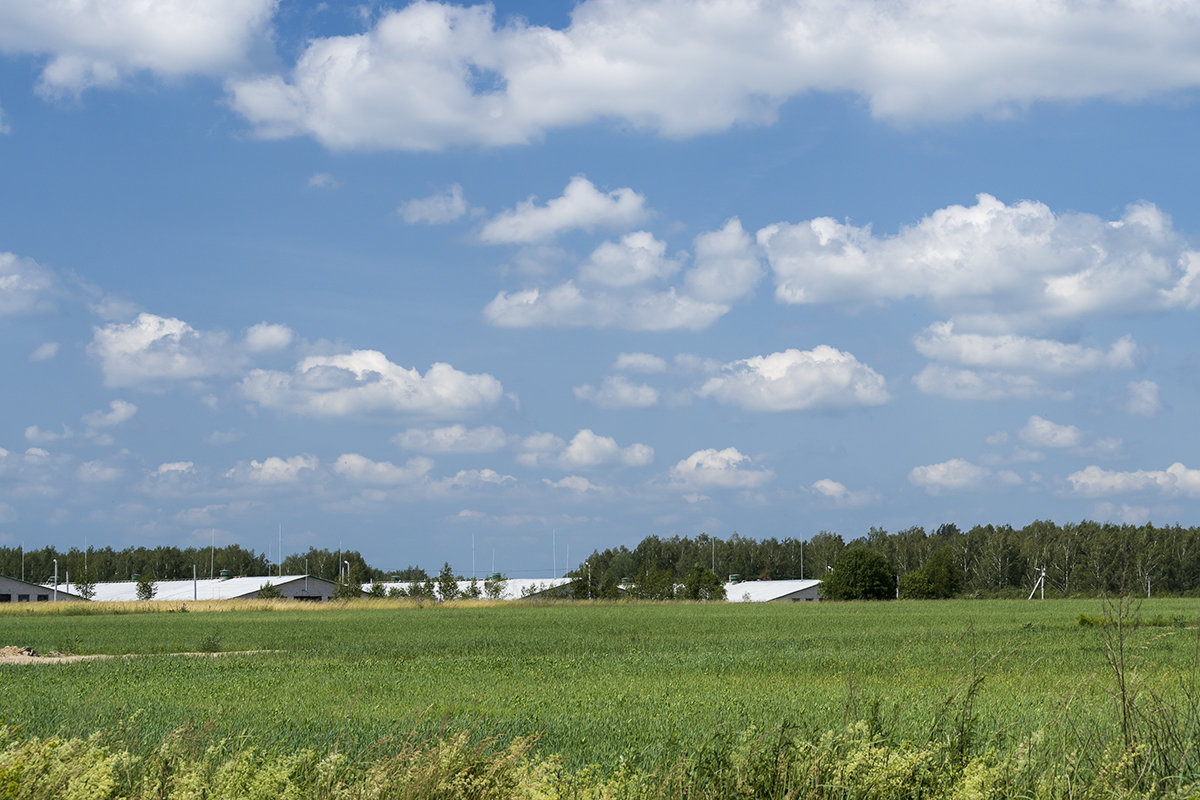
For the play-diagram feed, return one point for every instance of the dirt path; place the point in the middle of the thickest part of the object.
(27, 655)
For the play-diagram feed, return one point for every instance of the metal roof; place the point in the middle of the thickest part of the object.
(202, 589)
(514, 588)
(766, 591)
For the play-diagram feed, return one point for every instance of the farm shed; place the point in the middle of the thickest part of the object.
(298, 587)
(514, 588)
(793, 591)
(15, 590)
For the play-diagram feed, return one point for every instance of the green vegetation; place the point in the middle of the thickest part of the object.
(1086, 559)
(860, 574)
(940, 699)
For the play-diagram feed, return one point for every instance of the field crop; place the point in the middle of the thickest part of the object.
(687, 694)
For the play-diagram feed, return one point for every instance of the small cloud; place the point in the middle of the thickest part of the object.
(437, 209)
(361, 469)
(323, 180)
(574, 483)
(224, 437)
(639, 362)
(38, 436)
(1124, 513)
(274, 469)
(718, 469)
(1174, 480)
(955, 475)
(841, 496)
(581, 207)
(453, 439)
(1040, 432)
(264, 337)
(616, 391)
(795, 380)
(44, 352)
(585, 450)
(119, 411)
(97, 472)
(1142, 399)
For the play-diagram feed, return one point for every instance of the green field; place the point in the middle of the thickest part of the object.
(646, 686)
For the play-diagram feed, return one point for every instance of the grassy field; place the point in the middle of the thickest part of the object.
(642, 688)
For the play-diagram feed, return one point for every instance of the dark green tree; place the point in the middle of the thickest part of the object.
(860, 574)
(145, 587)
(939, 577)
(346, 589)
(85, 584)
(447, 583)
(269, 591)
(701, 583)
(494, 586)
(472, 592)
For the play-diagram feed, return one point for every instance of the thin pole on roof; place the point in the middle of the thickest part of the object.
(195, 585)
(55, 579)
(212, 553)
(281, 549)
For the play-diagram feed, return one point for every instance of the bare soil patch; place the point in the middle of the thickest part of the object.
(13, 654)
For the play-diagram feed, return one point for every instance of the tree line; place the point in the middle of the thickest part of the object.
(1085, 558)
(165, 563)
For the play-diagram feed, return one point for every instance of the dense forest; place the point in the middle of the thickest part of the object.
(1080, 559)
(175, 563)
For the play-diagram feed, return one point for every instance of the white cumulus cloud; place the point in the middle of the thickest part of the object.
(638, 258)
(1020, 353)
(152, 349)
(265, 337)
(796, 380)
(432, 75)
(101, 42)
(581, 207)
(365, 382)
(361, 469)
(727, 265)
(841, 496)
(586, 450)
(998, 265)
(119, 411)
(1093, 481)
(718, 469)
(955, 475)
(1041, 432)
(274, 470)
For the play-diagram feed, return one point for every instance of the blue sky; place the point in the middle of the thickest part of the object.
(419, 278)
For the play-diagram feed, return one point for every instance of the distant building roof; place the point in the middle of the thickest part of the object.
(767, 591)
(202, 589)
(514, 588)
